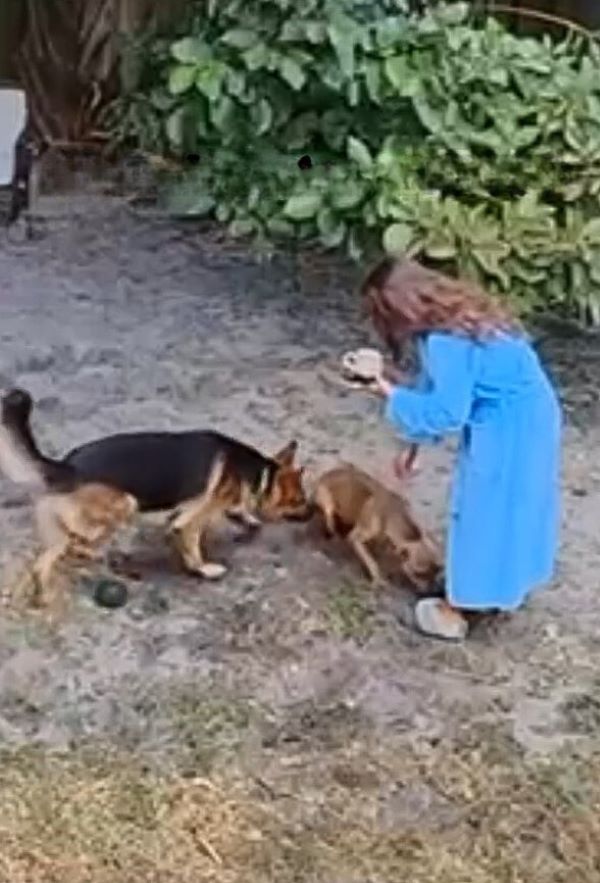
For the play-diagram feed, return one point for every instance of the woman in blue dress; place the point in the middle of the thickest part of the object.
(482, 380)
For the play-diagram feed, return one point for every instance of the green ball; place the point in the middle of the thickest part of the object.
(110, 593)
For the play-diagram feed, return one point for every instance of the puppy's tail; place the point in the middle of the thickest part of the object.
(21, 461)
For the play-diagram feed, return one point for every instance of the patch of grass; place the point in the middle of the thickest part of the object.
(70, 820)
(313, 726)
(102, 818)
(207, 726)
(350, 612)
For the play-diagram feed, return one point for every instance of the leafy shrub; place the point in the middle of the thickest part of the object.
(431, 133)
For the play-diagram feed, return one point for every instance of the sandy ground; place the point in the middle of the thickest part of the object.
(116, 320)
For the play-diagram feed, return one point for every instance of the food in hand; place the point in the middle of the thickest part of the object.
(363, 365)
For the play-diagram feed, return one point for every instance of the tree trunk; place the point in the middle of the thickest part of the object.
(10, 35)
(68, 59)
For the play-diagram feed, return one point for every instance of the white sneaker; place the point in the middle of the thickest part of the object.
(436, 619)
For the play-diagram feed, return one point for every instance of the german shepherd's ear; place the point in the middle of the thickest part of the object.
(286, 456)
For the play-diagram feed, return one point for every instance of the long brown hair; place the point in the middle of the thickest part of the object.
(405, 299)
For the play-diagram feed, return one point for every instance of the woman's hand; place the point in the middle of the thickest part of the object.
(381, 386)
(406, 464)
(394, 375)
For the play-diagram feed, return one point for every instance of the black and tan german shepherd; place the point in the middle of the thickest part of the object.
(195, 476)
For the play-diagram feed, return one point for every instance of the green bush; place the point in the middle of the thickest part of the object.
(450, 138)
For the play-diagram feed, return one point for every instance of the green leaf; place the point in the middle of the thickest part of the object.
(594, 267)
(190, 50)
(359, 153)
(181, 78)
(334, 126)
(574, 191)
(240, 38)
(278, 227)
(431, 119)
(186, 200)
(373, 80)
(262, 116)
(440, 250)
(257, 57)
(303, 206)
(202, 205)
(355, 250)
(397, 238)
(353, 93)
(452, 14)
(390, 31)
(331, 229)
(316, 31)
(236, 82)
(593, 306)
(174, 127)
(332, 77)
(300, 130)
(254, 197)
(488, 260)
(209, 81)
(202, 123)
(591, 231)
(242, 227)
(292, 73)
(342, 36)
(335, 238)
(397, 71)
(293, 31)
(347, 195)
(223, 113)
(222, 213)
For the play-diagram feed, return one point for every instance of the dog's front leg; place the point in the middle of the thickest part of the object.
(250, 521)
(324, 503)
(367, 560)
(187, 529)
(242, 511)
(367, 529)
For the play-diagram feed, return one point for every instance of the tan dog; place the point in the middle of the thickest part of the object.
(356, 504)
(74, 526)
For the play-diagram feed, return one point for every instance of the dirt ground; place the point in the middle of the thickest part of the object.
(285, 724)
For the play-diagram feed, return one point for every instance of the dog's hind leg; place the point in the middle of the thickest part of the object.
(75, 524)
(55, 541)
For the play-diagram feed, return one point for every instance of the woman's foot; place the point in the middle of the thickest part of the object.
(437, 619)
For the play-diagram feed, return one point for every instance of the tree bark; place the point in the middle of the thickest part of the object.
(68, 59)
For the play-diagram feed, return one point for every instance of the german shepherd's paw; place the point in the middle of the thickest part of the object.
(212, 570)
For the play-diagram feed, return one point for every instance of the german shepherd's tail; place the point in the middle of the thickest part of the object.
(21, 461)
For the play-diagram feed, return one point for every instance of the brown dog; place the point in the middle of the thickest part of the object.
(195, 477)
(353, 503)
(74, 526)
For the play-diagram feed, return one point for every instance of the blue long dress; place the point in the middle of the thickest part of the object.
(504, 518)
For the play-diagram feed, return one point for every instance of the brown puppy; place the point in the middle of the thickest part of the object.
(353, 503)
(74, 526)
(195, 477)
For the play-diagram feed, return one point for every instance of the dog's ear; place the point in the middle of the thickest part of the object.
(286, 456)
